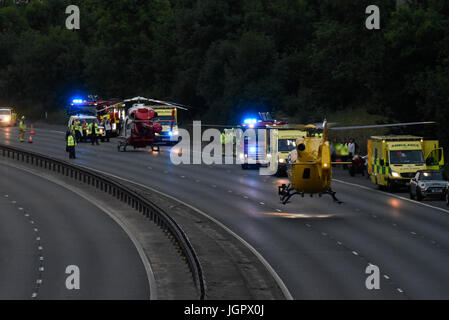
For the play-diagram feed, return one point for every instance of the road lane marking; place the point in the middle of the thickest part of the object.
(267, 265)
(391, 195)
(141, 252)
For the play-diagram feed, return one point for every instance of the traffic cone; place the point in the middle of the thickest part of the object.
(30, 138)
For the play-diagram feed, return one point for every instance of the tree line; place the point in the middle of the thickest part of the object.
(301, 59)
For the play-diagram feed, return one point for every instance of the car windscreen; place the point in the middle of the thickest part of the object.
(431, 175)
(5, 112)
(286, 145)
(406, 157)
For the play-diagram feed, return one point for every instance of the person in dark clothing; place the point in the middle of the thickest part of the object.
(93, 133)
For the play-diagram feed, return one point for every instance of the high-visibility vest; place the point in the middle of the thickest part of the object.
(22, 125)
(71, 141)
(344, 150)
(77, 127)
(338, 148)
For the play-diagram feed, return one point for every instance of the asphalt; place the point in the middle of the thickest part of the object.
(44, 228)
(318, 248)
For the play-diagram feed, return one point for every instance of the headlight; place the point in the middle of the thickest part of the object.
(281, 160)
(7, 119)
(395, 174)
(176, 132)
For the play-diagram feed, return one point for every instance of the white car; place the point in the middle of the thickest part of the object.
(428, 184)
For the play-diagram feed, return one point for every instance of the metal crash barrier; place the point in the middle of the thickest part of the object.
(169, 226)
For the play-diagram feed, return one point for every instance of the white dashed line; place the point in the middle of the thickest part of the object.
(39, 281)
(308, 225)
(261, 203)
(355, 253)
(36, 230)
(339, 243)
(246, 197)
(278, 210)
(386, 277)
(400, 290)
(40, 248)
(34, 295)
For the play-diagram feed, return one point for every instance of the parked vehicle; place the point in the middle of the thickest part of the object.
(428, 184)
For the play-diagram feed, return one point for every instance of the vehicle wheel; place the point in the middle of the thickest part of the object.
(390, 187)
(411, 195)
(419, 196)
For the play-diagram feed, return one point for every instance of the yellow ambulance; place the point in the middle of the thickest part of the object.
(394, 160)
(167, 115)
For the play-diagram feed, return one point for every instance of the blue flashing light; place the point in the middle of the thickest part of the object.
(170, 133)
(252, 149)
(250, 121)
(77, 101)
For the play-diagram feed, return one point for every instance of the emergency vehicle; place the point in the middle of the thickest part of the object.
(8, 117)
(115, 113)
(394, 160)
(167, 116)
(88, 119)
(258, 150)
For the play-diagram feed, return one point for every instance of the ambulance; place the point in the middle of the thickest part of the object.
(394, 160)
(167, 115)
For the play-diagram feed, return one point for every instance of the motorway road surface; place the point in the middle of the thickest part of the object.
(45, 227)
(319, 249)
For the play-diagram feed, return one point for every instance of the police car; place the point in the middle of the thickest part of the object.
(88, 119)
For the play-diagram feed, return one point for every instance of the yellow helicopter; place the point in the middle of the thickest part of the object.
(309, 166)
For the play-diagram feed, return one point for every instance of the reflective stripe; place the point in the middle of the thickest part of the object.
(70, 141)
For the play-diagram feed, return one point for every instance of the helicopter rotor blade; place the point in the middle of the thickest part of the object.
(384, 125)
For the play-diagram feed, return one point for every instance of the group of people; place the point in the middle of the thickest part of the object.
(78, 132)
(344, 151)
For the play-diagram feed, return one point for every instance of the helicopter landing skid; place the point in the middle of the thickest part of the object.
(332, 194)
(286, 192)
